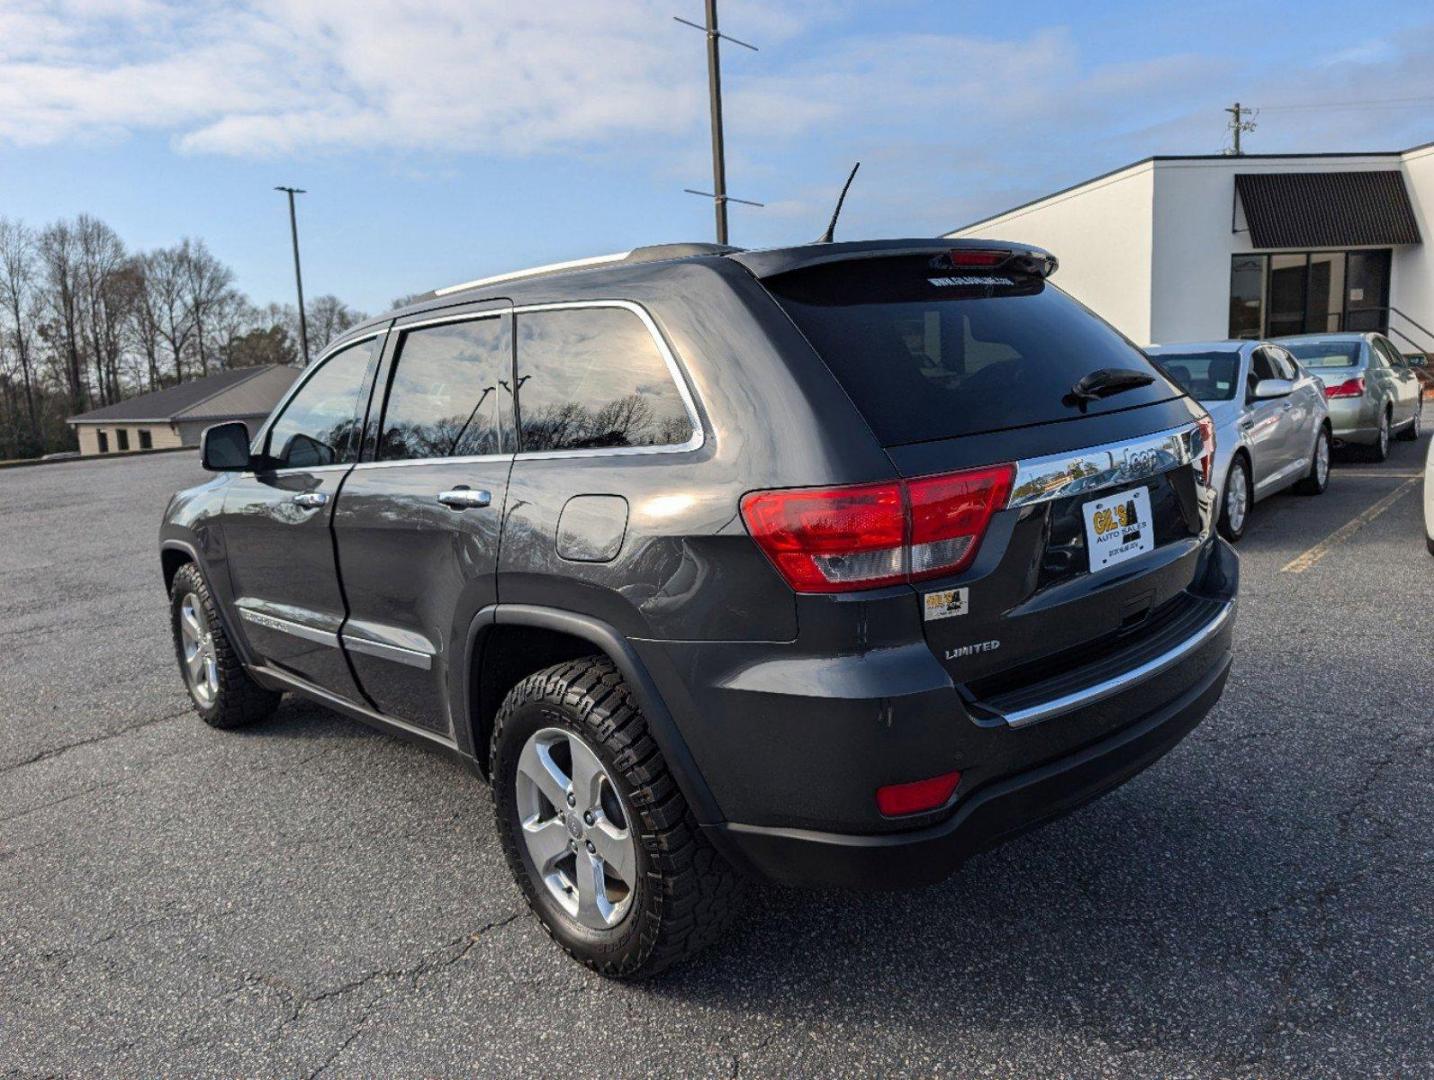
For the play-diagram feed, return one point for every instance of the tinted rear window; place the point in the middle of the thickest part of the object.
(926, 354)
(1206, 376)
(1326, 354)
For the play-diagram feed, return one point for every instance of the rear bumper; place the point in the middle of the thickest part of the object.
(1353, 420)
(987, 817)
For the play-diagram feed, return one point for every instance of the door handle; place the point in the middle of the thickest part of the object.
(465, 498)
(310, 500)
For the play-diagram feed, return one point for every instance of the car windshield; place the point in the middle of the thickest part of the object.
(1325, 354)
(1205, 376)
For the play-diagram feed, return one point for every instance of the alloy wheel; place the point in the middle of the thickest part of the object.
(201, 662)
(1322, 460)
(1237, 499)
(576, 829)
(1383, 436)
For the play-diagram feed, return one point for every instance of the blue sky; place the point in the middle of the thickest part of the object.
(446, 140)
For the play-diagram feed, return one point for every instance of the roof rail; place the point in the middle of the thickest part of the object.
(650, 253)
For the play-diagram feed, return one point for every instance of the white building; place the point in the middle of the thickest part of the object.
(1206, 247)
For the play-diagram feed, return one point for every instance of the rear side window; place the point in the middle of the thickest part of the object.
(319, 425)
(925, 355)
(450, 395)
(593, 378)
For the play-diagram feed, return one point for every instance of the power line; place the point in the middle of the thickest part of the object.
(1373, 104)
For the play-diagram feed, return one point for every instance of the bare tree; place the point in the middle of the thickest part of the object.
(328, 318)
(102, 300)
(164, 275)
(17, 294)
(59, 256)
(207, 281)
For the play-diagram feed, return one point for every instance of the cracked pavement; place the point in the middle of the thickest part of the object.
(310, 897)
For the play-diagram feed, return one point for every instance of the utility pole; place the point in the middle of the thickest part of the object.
(718, 195)
(298, 275)
(1238, 124)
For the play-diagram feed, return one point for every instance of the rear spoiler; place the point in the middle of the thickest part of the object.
(986, 255)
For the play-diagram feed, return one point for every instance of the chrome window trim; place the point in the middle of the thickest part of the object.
(262, 435)
(396, 653)
(285, 626)
(1096, 468)
(1034, 714)
(398, 463)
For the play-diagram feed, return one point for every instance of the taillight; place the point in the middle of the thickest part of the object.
(825, 540)
(1207, 444)
(1349, 388)
(894, 800)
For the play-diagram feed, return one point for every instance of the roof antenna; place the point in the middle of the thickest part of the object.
(826, 237)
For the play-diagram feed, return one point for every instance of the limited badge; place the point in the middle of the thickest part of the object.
(944, 604)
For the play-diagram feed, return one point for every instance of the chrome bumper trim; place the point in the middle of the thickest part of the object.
(1034, 714)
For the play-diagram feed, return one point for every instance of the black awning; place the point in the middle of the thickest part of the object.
(1327, 209)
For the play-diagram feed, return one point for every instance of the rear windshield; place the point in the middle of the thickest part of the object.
(928, 354)
(1205, 376)
(1325, 354)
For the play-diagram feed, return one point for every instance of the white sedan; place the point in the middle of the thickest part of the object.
(1271, 423)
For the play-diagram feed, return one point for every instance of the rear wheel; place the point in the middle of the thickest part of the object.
(1236, 502)
(1317, 479)
(1380, 450)
(1416, 426)
(223, 694)
(599, 838)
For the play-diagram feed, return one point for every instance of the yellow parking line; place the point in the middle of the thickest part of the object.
(1301, 563)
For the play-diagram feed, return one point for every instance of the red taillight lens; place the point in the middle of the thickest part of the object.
(960, 258)
(834, 539)
(825, 540)
(894, 800)
(1207, 443)
(1349, 388)
(949, 515)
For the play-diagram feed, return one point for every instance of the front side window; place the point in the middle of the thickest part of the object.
(450, 394)
(319, 425)
(593, 378)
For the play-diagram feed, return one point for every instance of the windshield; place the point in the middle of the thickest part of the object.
(926, 354)
(1325, 354)
(1206, 376)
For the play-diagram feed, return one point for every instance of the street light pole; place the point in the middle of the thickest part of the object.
(298, 275)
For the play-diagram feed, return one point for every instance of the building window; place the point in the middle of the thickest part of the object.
(146, 441)
(104, 440)
(122, 438)
(1308, 292)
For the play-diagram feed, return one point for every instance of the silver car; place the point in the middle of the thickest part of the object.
(1272, 427)
(1372, 389)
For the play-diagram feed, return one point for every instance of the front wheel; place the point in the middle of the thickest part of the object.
(1317, 479)
(222, 692)
(1235, 505)
(599, 838)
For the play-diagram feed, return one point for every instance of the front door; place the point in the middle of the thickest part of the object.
(276, 522)
(1266, 425)
(417, 523)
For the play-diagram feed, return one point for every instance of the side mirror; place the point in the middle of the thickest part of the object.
(1418, 360)
(225, 447)
(1273, 388)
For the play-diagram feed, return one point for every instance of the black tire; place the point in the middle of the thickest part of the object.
(685, 893)
(1312, 484)
(1380, 450)
(1416, 426)
(237, 700)
(1239, 474)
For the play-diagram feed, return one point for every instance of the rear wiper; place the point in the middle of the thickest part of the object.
(1106, 381)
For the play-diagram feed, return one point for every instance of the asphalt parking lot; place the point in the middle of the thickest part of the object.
(312, 897)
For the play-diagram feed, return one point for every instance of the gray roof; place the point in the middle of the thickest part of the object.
(1327, 209)
(230, 394)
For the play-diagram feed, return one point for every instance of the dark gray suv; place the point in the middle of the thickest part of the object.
(831, 564)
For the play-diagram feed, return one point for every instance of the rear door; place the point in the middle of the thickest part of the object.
(418, 520)
(276, 520)
(1404, 384)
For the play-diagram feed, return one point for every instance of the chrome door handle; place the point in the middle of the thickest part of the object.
(465, 498)
(310, 500)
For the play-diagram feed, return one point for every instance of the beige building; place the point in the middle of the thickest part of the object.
(178, 415)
